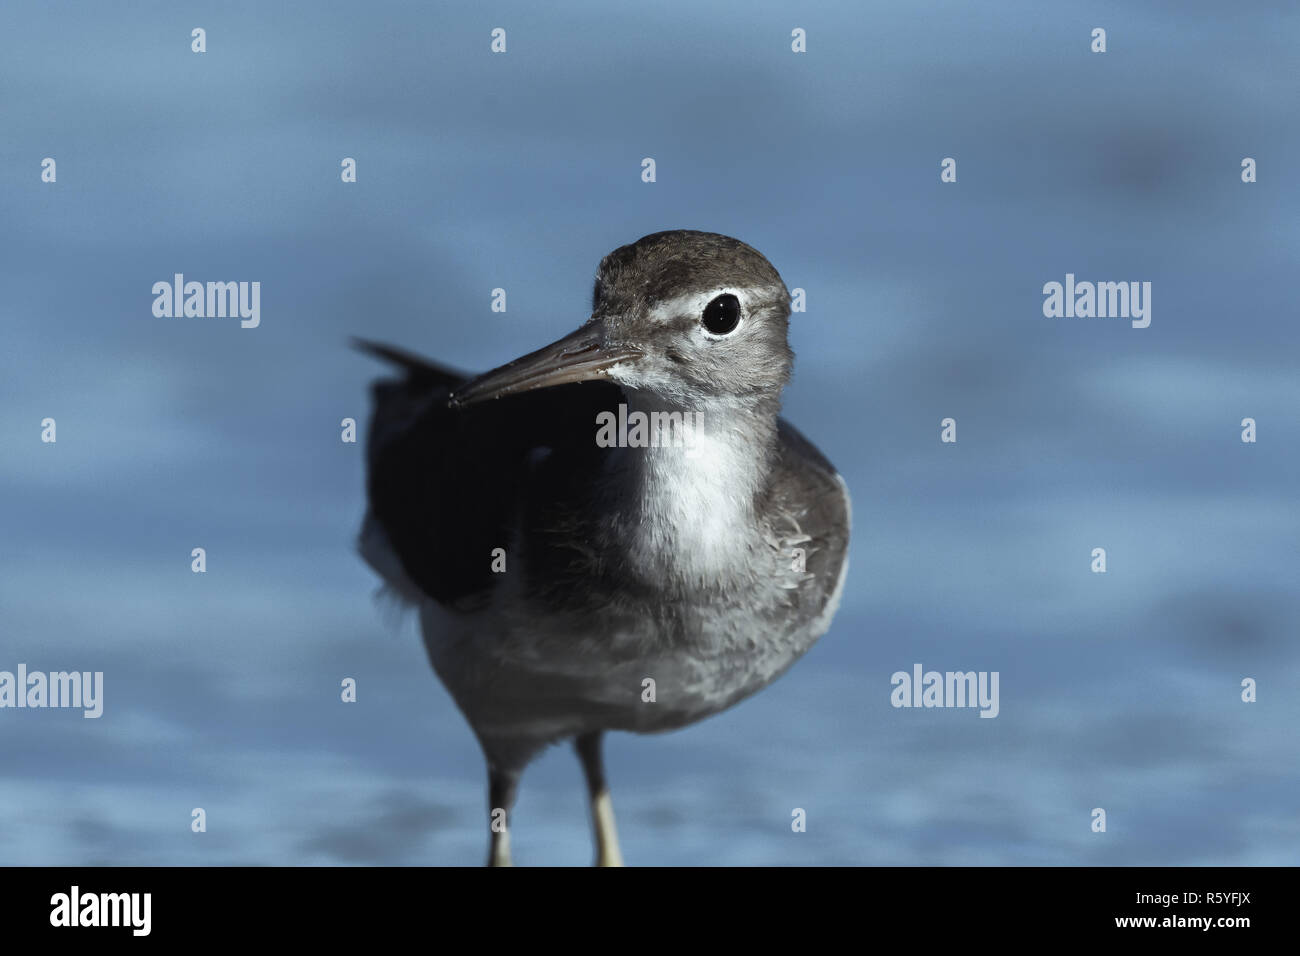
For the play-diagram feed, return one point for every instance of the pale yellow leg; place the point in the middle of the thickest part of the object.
(501, 799)
(602, 807)
(500, 852)
(602, 814)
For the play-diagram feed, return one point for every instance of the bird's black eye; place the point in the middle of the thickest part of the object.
(722, 315)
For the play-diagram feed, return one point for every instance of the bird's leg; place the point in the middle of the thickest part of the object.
(602, 808)
(501, 798)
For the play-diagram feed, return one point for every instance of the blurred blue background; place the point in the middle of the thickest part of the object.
(520, 171)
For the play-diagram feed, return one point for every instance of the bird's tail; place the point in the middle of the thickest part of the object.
(418, 370)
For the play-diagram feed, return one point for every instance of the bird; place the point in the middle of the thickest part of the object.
(617, 531)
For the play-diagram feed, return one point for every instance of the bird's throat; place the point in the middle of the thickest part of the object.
(693, 500)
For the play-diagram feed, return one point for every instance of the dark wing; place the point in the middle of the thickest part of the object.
(813, 496)
(446, 486)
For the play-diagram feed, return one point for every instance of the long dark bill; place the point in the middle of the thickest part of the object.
(578, 357)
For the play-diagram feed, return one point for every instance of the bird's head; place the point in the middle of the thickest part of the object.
(687, 316)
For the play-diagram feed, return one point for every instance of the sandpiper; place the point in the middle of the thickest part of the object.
(568, 586)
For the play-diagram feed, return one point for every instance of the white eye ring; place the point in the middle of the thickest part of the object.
(722, 316)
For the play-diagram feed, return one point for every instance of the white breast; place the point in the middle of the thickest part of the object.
(697, 506)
